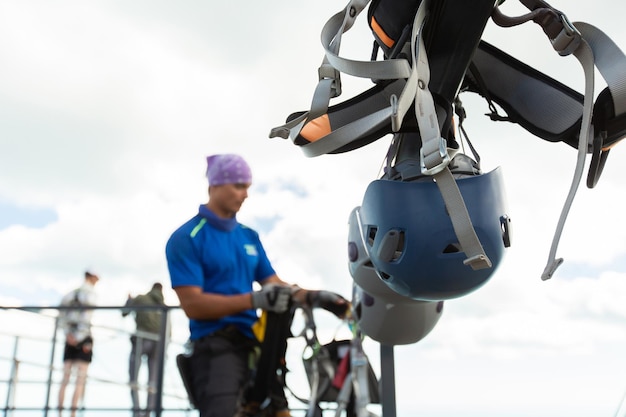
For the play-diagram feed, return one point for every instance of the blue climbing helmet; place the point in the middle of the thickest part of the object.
(410, 238)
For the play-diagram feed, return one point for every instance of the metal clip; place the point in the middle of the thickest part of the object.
(395, 122)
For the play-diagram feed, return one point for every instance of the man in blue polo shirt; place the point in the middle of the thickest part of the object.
(213, 262)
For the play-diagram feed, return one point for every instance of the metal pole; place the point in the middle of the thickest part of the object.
(12, 378)
(51, 366)
(387, 377)
(134, 382)
(158, 403)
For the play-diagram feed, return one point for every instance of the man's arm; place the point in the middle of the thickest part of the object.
(129, 303)
(200, 305)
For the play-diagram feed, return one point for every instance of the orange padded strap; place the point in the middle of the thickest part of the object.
(378, 30)
(316, 128)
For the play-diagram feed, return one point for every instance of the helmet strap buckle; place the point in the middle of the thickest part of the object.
(433, 161)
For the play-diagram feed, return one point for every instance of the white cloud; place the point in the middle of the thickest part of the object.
(108, 113)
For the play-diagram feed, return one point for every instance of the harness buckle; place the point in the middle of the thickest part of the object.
(327, 71)
(568, 40)
(441, 159)
(477, 262)
(395, 122)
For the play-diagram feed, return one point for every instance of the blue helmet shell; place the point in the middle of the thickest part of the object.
(411, 242)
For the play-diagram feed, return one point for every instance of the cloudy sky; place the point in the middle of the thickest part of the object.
(108, 109)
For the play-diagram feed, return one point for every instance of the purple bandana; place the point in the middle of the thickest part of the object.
(227, 169)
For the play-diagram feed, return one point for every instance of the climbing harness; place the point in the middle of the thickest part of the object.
(432, 52)
(338, 372)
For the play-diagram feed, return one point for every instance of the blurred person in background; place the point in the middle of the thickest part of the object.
(75, 320)
(145, 343)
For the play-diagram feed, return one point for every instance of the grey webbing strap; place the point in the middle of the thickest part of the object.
(461, 221)
(433, 155)
(410, 92)
(319, 107)
(347, 134)
(585, 56)
(610, 61)
(387, 69)
(594, 50)
(329, 86)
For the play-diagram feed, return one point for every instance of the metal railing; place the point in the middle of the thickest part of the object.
(31, 365)
(31, 350)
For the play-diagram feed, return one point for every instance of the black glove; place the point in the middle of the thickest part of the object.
(272, 297)
(328, 300)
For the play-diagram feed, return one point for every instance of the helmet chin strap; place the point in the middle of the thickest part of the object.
(434, 157)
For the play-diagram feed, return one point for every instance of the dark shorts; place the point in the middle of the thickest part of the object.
(83, 351)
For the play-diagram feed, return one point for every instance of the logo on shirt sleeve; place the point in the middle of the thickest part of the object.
(250, 250)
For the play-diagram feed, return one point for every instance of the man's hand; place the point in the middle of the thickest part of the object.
(272, 297)
(329, 301)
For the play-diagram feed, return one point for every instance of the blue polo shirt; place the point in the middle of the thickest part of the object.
(220, 256)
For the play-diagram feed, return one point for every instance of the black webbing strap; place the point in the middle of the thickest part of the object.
(273, 351)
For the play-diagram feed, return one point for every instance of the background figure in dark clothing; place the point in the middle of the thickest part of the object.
(145, 344)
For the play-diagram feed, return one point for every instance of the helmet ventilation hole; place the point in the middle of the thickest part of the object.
(384, 276)
(453, 248)
(400, 247)
(371, 235)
